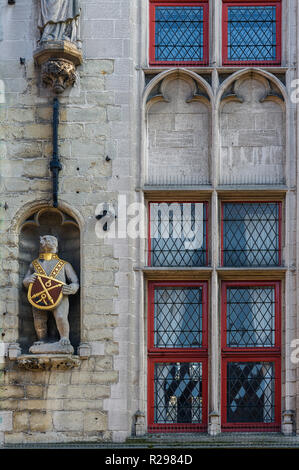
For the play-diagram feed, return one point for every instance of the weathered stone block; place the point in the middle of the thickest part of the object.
(88, 391)
(102, 98)
(94, 83)
(103, 334)
(11, 391)
(20, 421)
(21, 114)
(95, 421)
(40, 421)
(84, 114)
(40, 405)
(37, 131)
(34, 391)
(68, 420)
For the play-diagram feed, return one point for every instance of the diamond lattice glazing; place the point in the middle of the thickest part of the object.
(251, 317)
(178, 392)
(251, 33)
(250, 392)
(178, 317)
(178, 33)
(251, 234)
(178, 234)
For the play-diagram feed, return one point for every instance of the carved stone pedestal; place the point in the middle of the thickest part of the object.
(84, 350)
(58, 61)
(214, 423)
(47, 362)
(287, 426)
(51, 348)
(14, 351)
(139, 423)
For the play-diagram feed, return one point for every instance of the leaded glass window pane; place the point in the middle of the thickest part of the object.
(178, 234)
(251, 234)
(251, 317)
(178, 392)
(178, 33)
(250, 392)
(178, 317)
(251, 33)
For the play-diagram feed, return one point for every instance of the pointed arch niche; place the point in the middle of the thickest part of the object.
(48, 221)
(178, 136)
(252, 132)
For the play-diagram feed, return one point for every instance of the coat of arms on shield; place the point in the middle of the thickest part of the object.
(45, 293)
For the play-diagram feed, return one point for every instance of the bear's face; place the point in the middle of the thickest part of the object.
(48, 244)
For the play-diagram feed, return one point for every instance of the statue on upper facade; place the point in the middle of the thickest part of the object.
(48, 290)
(59, 20)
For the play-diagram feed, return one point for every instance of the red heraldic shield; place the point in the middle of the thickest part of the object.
(45, 293)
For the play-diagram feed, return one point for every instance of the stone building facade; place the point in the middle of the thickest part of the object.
(133, 133)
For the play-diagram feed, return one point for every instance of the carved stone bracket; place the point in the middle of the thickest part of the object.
(58, 74)
(48, 362)
(57, 61)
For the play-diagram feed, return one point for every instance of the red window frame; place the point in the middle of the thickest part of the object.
(276, 285)
(160, 355)
(252, 354)
(230, 3)
(255, 202)
(206, 206)
(152, 6)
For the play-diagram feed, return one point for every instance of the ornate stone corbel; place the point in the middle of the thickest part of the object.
(58, 74)
(57, 61)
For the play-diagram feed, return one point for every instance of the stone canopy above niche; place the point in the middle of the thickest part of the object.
(59, 45)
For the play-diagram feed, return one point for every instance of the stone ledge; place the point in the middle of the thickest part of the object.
(47, 361)
(222, 440)
(180, 441)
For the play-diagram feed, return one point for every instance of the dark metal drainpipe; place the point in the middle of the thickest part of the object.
(55, 165)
